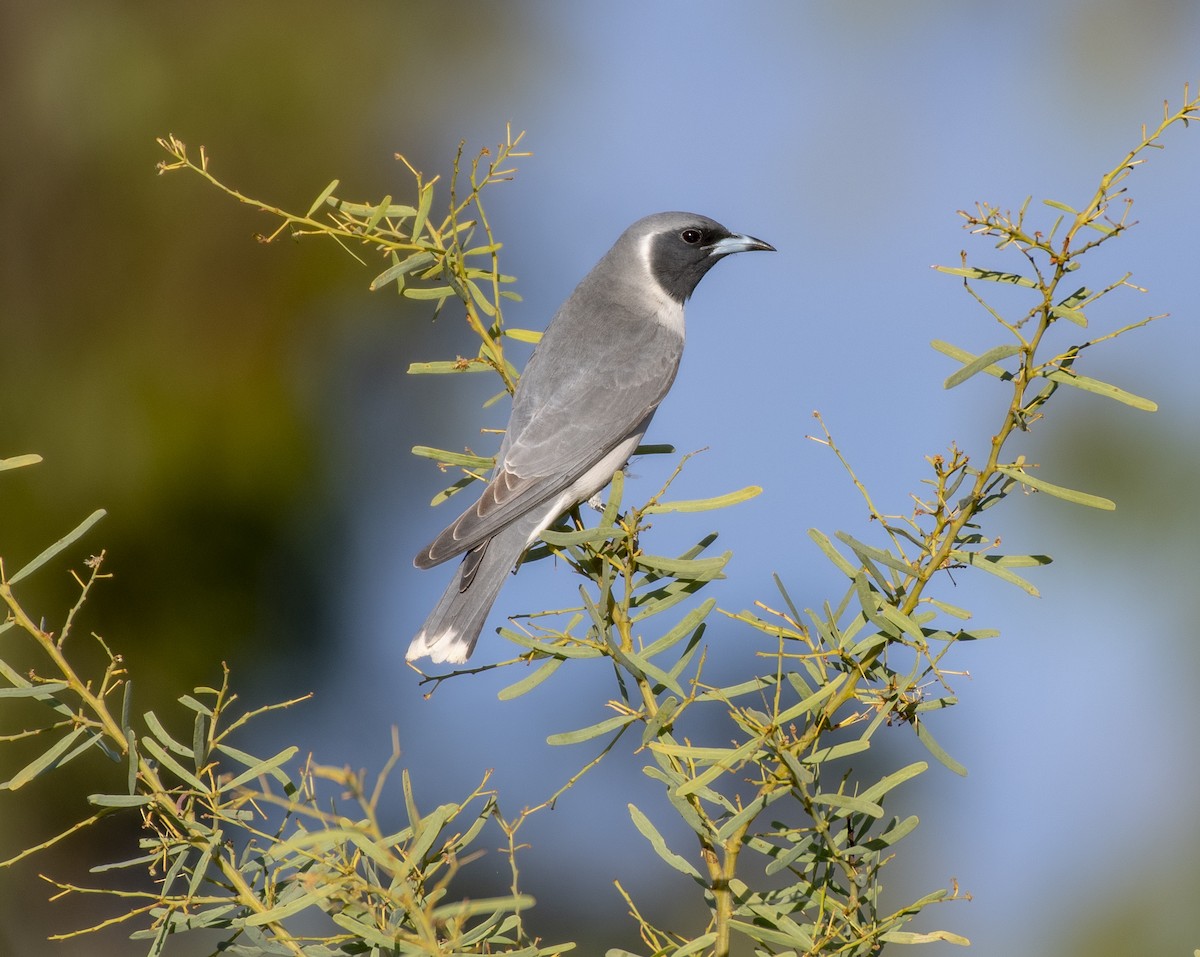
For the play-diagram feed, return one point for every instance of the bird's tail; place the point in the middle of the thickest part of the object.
(452, 628)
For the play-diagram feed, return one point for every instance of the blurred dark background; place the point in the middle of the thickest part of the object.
(242, 411)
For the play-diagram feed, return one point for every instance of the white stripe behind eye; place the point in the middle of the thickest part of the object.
(665, 309)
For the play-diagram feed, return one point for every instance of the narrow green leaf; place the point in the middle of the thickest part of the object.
(952, 610)
(832, 553)
(750, 812)
(893, 835)
(395, 211)
(1106, 389)
(462, 459)
(1063, 206)
(261, 768)
(653, 729)
(1071, 315)
(20, 461)
(650, 578)
(491, 928)
(766, 935)
(927, 739)
(581, 537)
(483, 250)
(592, 731)
(681, 804)
(1020, 561)
(697, 944)
(410, 803)
(481, 300)
(422, 215)
(163, 737)
(870, 602)
(579, 651)
(753, 686)
(600, 623)
(881, 787)
(429, 292)
(989, 563)
(254, 943)
(616, 492)
(979, 634)
(726, 757)
(445, 366)
(523, 335)
(484, 905)
(648, 831)
(989, 275)
(320, 200)
(314, 893)
(826, 627)
(880, 555)
(131, 862)
(787, 856)
(378, 212)
(981, 362)
(962, 355)
(1067, 494)
(908, 937)
(131, 759)
(193, 705)
(120, 800)
(51, 759)
(638, 665)
(200, 740)
(772, 628)
(654, 449)
(811, 702)
(698, 569)
(689, 623)
(37, 692)
(160, 754)
(530, 681)
(1078, 297)
(735, 759)
(705, 504)
(65, 542)
(426, 831)
(176, 868)
(418, 260)
(902, 621)
(936, 704)
(250, 761)
(662, 597)
(849, 803)
(454, 489)
(832, 753)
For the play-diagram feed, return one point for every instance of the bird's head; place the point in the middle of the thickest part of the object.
(679, 248)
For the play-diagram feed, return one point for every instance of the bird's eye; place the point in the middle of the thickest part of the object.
(691, 236)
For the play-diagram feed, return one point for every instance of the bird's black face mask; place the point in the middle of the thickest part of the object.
(679, 259)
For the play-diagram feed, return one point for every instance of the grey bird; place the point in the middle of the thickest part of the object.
(581, 407)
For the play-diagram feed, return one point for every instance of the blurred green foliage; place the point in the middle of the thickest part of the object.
(164, 372)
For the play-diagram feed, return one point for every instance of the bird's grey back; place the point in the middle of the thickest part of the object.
(620, 339)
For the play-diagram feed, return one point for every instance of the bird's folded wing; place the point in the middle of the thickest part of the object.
(566, 417)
